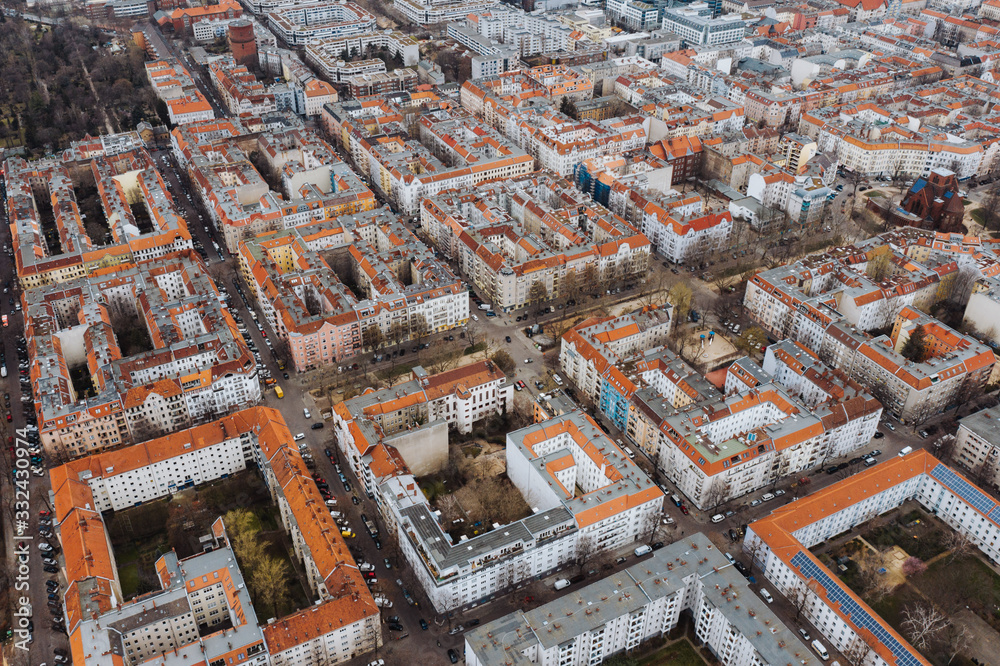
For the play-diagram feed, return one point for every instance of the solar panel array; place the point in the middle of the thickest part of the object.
(856, 612)
(976, 498)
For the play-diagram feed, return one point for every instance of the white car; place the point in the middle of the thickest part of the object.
(475, 318)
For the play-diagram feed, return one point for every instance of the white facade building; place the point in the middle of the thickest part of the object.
(780, 543)
(614, 615)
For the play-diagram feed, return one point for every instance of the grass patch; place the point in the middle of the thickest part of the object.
(680, 653)
(965, 581)
(128, 575)
(391, 374)
(472, 451)
(924, 544)
(874, 193)
(978, 215)
(478, 347)
(433, 489)
(966, 202)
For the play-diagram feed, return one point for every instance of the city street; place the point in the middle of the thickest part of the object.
(26, 495)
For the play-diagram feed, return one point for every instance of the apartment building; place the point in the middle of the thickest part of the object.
(206, 590)
(408, 293)
(760, 432)
(298, 23)
(779, 545)
(695, 25)
(844, 131)
(976, 446)
(315, 184)
(591, 351)
(635, 15)
(141, 473)
(159, 349)
(174, 85)
(428, 12)
(381, 83)
(239, 89)
(185, 18)
(801, 300)
(122, 179)
(521, 104)
(535, 229)
(410, 171)
(958, 367)
(612, 504)
(617, 614)
(326, 54)
(405, 418)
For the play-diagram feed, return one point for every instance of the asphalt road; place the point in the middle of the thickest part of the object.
(27, 577)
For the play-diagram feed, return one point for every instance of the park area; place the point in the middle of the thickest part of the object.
(140, 535)
(926, 580)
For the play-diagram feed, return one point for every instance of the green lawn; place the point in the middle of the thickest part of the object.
(965, 581)
(874, 193)
(129, 577)
(977, 215)
(680, 653)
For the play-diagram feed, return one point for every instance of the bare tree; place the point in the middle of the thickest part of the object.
(801, 596)
(587, 549)
(959, 639)
(716, 494)
(922, 624)
(958, 543)
(372, 337)
(472, 333)
(649, 527)
(570, 286)
(859, 650)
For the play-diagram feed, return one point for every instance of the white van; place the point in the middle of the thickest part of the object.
(629, 452)
(766, 595)
(557, 379)
(820, 650)
(718, 518)
(906, 450)
(561, 584)
(642, 550)
(299, 436)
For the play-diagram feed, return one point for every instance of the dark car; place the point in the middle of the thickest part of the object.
(423, 624)
(831, 470)
(48, 568)
(508, 338)
(452, 656)
(879, 434)
(316, 426)
(658, 545)
(472, 623)
(742, 568)
(395, 626)
(733, 536)
(355, 500)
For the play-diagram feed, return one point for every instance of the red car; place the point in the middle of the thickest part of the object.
(44, 513)
(684, 509)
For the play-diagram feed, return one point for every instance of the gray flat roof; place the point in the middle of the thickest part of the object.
(584, 609)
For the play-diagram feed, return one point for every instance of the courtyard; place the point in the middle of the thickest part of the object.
(927, 581)
(142, 534)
